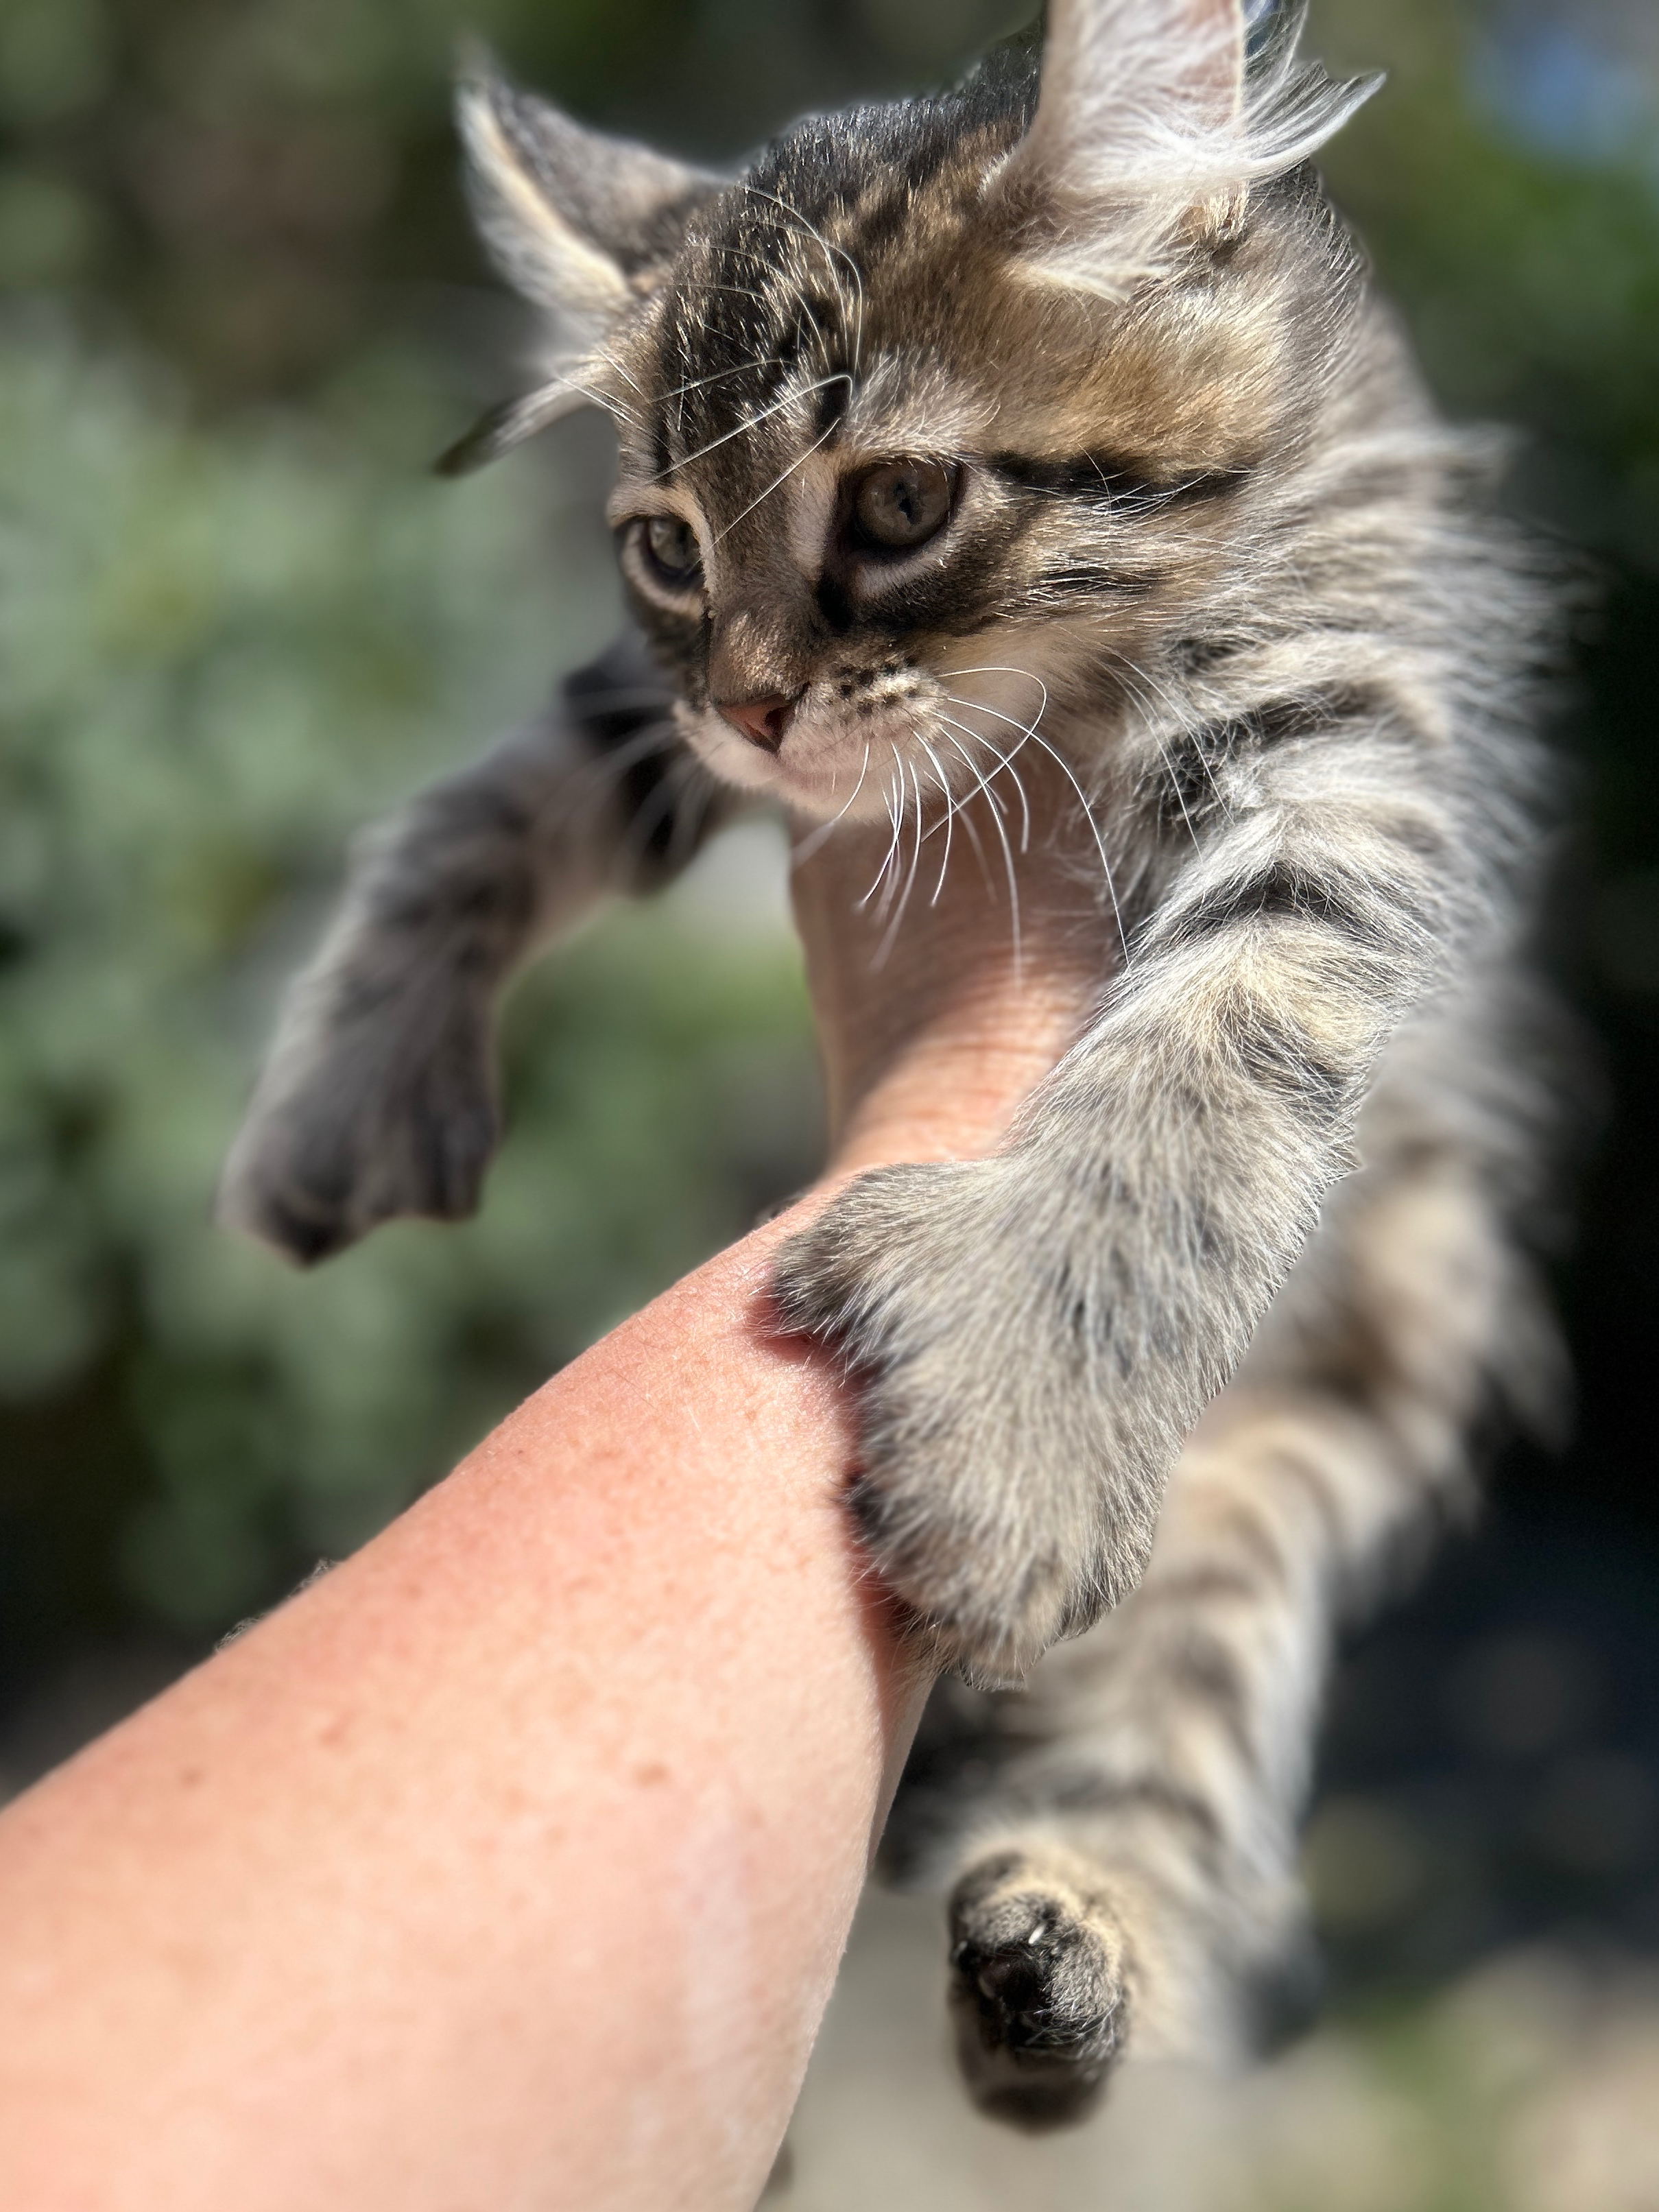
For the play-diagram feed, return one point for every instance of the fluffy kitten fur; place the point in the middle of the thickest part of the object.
(1204, 542)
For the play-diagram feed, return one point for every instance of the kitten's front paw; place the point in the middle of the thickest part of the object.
(982, 1479)
(373, 1120)
(1037, 1990)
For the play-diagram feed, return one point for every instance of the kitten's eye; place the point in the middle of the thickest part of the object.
(903, 504)
(671, 547)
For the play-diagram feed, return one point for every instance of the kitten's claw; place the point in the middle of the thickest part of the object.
(983, 1490)
(378, 1121)
(1037, 1990)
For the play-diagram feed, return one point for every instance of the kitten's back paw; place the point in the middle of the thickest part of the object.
(1037, 1990)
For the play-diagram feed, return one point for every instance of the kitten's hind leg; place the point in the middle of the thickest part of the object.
(379, 1097)
(1133, 1878)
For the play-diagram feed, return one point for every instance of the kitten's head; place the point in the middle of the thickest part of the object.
(943, 409)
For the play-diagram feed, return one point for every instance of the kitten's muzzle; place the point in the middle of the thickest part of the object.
(763, 721)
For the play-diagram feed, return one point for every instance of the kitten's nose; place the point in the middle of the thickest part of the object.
(763, 721)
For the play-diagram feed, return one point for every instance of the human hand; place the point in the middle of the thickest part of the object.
(935, 1032)
(935, 1028)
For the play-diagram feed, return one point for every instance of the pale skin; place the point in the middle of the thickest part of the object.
(509, 1866)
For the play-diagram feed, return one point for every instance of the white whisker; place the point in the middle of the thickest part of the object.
(751, 423)
(748, 254)
(1004, 761)
(820, 837)
(832, 254)
(720, 376)
(896, 818)
(1002, 835)
(891, 938)
(778, 481)
(1066, 769)
(951, 812)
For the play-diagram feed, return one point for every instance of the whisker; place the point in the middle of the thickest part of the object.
(1007, 849)
(1004, 761)
(832, 253)
(896, 818)
(1005, 671)
(988, 785)
(752, 422)
(1175, 708)
(1065, 767)
(738, 291)
(610, 361)
(774, 267)
(820, 837)
(888, 942)
(951, 810)
(778, 481)
(720, 376)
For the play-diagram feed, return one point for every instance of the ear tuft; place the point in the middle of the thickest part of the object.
(1154, 118)
(509, 425)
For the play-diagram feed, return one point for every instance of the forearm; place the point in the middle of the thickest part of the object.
(512, 1862)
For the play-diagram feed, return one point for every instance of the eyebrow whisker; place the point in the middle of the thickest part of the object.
(832, 253)
(777, 482)
(751, 423)
(720, 376)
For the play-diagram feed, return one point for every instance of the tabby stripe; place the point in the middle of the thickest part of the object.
(1281, 892)
(1110, 479)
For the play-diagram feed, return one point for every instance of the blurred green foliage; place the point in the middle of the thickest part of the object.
(219, 651)
(236, 618)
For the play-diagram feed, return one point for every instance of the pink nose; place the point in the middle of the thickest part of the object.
(763, 721)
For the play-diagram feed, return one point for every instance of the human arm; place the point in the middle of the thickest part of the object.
(510, 1864)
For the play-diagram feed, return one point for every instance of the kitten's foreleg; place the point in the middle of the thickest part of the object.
(379, 1097)
(1037, 1333)
(1148, 1830)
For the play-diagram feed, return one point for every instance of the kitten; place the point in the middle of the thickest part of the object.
(1057, 410)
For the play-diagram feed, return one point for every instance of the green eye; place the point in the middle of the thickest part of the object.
(903, 504)
(671, 549)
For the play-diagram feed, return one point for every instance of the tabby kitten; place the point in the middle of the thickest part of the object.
(1058, 411)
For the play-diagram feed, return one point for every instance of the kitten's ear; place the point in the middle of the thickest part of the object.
(1120, 77)
(1154, 117)
(580, 223)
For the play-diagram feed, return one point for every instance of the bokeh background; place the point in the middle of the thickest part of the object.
(240, 310)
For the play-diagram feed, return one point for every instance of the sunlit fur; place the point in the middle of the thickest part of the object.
(1213, 559)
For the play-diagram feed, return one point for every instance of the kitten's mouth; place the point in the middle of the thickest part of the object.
(819, 772)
